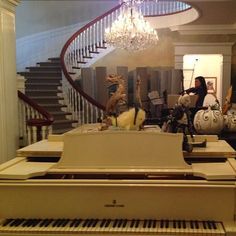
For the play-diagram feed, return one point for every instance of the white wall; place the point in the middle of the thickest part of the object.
(37, 16)
(39, 47)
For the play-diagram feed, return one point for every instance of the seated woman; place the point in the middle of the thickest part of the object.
(200, 90)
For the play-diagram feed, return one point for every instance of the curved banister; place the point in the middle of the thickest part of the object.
(48, 118)
(67, 75)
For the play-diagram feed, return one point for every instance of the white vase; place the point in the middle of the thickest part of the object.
(208, 121)
(230, 122)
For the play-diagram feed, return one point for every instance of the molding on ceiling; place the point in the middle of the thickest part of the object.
(205, 29)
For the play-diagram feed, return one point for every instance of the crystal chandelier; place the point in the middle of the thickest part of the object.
(130, 31)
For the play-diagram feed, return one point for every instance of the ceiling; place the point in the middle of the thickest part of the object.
(215, 16)
(219, 12)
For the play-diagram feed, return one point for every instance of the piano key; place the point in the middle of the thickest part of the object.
(92, 225)
(7, 222)
(104, 225)
(152, 226)
(86, 225)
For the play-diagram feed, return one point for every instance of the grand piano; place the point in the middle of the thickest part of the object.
(117, 182)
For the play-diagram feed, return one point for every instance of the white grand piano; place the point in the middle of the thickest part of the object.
(117, 183)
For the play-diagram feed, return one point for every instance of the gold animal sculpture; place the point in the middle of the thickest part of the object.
(129, 120)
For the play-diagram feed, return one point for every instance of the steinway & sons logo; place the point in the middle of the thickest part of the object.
(114, 204)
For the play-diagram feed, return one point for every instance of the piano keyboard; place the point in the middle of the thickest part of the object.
(107, 226)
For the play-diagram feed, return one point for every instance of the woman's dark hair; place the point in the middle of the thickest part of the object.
(203, 83)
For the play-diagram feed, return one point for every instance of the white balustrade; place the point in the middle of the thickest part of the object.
(28, 133)
(80, 107)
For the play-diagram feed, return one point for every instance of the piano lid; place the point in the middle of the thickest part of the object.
(89, 148)
(90, 151)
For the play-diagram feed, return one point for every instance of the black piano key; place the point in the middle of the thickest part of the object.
(115, 223)
(184, 224)
(166, 224)
(85, 223)
(49, 221)
(149, 223)
(7, 222)
(179, 225)
(72, 223)
(162, 224)
(204, 225)
(209, 225)
(154, 224)
(196, 224)
(16, 222)
(132, 223)
(13, 223)
(31, 222)
(26, 223)
(77, 223)
(36, 222)
(91, 222)
(174, 224)
(65, 222)
(94, 223)
(191, 224)
(213, 223)
(119, 224)
(56, 223)
(137, 222)
(107, 223)
(145, 223)
(103, 223)
(124, 223)
(43, 222)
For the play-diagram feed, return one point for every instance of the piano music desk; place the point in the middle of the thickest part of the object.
(53, 147)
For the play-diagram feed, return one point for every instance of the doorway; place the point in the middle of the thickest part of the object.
(208, 66)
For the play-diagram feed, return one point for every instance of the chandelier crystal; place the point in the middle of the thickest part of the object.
(132, 1)
(130, 31)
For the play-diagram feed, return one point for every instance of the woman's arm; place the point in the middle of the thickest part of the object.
(191, 90)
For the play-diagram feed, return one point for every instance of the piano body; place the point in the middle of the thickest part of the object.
(117, 182)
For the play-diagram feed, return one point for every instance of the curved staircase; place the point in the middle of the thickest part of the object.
(44, 86)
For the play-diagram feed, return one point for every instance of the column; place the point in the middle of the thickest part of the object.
(8, 84)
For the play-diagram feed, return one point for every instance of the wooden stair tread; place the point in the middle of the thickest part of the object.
(44, 63)
(61, 131)
(42, 84)
(40, 72)
(40, 78)
(54, 58)
(60, 113)
(52, 105)
(44, 90)
(43, 67)
(64, 121)
(47, 97)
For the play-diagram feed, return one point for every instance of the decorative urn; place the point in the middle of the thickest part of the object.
(230, 122)
(210, 121)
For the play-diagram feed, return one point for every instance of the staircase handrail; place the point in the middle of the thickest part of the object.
(67, 75)
(48, 118)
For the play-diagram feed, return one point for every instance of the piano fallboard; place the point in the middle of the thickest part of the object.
(144, 199)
